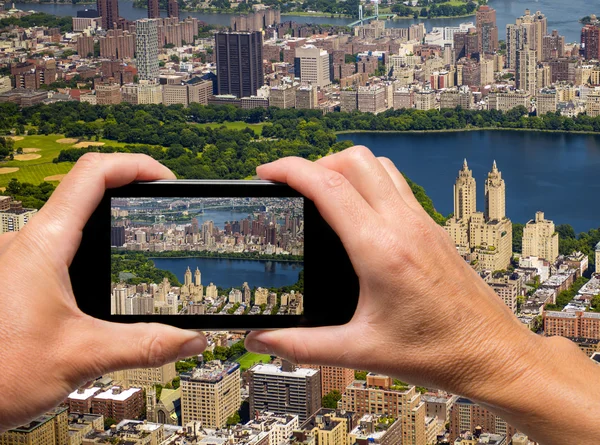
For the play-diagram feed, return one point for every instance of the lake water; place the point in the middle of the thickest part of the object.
(233, 273)
(553, 172)
(560, 16)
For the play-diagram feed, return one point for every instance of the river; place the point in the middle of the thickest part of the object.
(557, 173)
(233, 273)
(561, 17)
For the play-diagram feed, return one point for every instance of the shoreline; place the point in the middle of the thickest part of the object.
(216, 258)
(457, 130)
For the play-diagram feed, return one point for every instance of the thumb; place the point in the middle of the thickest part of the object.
(319, 346)
(140, 345)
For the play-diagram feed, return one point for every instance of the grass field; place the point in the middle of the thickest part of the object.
(35, 170)
(235, 126)
(249, 359)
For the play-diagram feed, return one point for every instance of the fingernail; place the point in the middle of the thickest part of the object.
(192, 347)
(259, 347)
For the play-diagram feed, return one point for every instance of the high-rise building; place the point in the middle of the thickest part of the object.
(553, 46)
(425, 100)
(145, 377)
(15, 216)
(239, 63)
(285, 389)
(185, 93)
(117, 236)
(529, 29)
(487, 31)
(379, 395)
(330, 426)
(371, 99)
(465, 44)
(49, 429)
(146, 48)
(525, 72)
(546, 101)
(109, 11)
(540, 238)
(211, 393)
(313, 64)
(333, 378)
(597, 257)
(153, 9)
(467, 416)
(307, 97)
(282, 96)
(173, 9)
(590, 42)
(108, 94)
(483, 238)
(85, 46)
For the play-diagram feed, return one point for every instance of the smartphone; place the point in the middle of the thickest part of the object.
(213, 255)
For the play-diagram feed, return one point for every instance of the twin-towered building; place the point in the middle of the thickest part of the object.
(483, 238)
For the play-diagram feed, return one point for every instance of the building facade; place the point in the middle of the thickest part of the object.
(239, 63)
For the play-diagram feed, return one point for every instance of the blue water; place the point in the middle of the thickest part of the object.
(561, 16)
(233, 273)
(556, 173)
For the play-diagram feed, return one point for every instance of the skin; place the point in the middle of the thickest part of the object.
(49, 347)
(424, 315)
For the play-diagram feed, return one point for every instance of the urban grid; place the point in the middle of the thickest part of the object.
(275, 227)
(228, 396)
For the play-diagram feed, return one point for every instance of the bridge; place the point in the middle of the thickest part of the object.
(368, 19)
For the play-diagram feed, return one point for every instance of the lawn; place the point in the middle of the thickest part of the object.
(238, 125)
(249, 359)
(36, 163)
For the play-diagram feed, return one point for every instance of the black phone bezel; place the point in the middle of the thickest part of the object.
(331, 285)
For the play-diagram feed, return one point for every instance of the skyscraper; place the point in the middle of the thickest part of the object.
(525, 70)
(239, 63)
(285, 390)
(210, 394)
(529, 29)
(590, 42)
(146, 48)
(313, 63)
(153, 10)
(487, 31)
(483, 238)
(540, 238)
(173, 9)
(109, 11)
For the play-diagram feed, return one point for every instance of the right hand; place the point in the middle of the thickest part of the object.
(424, 315)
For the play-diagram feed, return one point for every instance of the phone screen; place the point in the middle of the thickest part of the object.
(207, 256)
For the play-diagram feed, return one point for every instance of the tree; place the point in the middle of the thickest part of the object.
(330, 400)
(360, 375)
(233, 419)
(108, 422)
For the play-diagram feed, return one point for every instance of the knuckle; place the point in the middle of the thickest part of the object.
(89, 160)
(359, 152)
(154, 351)
(333, 180)
(299, 353)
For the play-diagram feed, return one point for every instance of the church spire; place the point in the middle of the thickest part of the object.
(465, 166)
(494, 167)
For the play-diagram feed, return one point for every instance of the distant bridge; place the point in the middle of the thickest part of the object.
(368, 19)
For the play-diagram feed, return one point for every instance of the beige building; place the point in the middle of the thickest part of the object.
(185, 93)
(145, 377)
(592, 104)
(329, 426)
(348, 100)
(540, 238)
(403, 98)
(546, 101)
(379, 395)
(372, 99)
(504, 100)
(525, 72)
(487, 71)
(314, 65)
(282, 96)
(80, 425)
(508, 293)
(377, 429)
(425, 100)
(597, 256)
(14, 216)
(306, 97)
(211, 393)
(108, 94)
(484, 238)
(48, 429)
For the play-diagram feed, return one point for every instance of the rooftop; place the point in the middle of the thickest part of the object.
(211, 372)
(83, 394)
(117, 394)
(276, 370)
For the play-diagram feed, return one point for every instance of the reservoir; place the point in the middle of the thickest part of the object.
(233, 273)
(557, 173)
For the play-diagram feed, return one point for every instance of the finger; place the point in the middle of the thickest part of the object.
(344, 209)
(400, 183)
(140, 345)
(60, 222)
(6, 239)
(366, 174)
(319, 346)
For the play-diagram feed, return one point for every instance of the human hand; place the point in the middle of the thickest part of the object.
(424, 315)
(47, 342)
